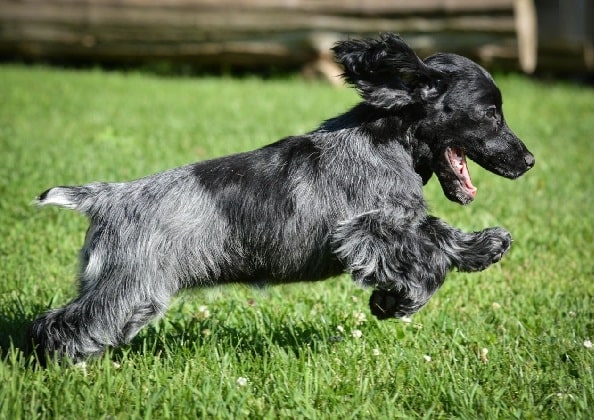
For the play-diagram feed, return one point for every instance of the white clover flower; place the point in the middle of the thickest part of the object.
(360, 317)
(587, 344)
(241, 381)
(565, 396)
(82, 366)
(427, 358)
(483, 356)
(375, 352)
(203, 312)
(357, 333)
(340, 328)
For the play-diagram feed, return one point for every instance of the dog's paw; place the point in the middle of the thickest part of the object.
(385, 304)
(487, 247)
(500, 241)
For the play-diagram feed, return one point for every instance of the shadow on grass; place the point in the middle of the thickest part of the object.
(189, 334)
(14, 321)
(292, 338)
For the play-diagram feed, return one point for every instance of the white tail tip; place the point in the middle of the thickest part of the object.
(57, 196)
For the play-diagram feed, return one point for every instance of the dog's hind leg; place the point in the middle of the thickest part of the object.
(104, 316)
(468, 251)
(118, 295)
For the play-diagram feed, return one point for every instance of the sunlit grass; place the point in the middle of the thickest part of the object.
(511, 341)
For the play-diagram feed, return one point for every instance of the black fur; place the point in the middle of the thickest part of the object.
(346, 197)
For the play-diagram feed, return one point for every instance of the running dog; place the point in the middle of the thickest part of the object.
(346, 197)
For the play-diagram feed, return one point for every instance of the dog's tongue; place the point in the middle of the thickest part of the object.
(457, 160)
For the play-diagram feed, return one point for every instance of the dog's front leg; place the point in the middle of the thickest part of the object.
(468, 251)
(392, 255)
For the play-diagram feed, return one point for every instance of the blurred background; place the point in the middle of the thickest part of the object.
(550, 37)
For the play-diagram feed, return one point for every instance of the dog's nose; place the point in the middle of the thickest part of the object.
(529, 159)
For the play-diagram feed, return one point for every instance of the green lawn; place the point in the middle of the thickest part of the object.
(512, 341)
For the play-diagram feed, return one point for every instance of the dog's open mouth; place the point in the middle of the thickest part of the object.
(457, 160)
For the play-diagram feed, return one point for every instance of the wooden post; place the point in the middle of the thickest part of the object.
(527, 34)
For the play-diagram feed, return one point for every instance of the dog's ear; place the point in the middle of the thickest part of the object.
(387, 72)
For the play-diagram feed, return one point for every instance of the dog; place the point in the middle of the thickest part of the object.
(344, 198)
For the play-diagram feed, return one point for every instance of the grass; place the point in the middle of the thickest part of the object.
(510, 342)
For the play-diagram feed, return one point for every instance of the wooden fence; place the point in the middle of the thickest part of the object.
(257, 33)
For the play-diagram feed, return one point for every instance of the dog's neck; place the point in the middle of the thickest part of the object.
(381, 127)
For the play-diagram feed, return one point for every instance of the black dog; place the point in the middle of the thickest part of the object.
(346, 197)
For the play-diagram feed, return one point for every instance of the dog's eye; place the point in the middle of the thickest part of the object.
(491, 112)
(440, 85)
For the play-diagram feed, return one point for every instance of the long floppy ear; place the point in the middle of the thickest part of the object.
(387, 72)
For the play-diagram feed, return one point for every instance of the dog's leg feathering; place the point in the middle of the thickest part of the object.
(469, 251)
(87, 326)
(395, 258)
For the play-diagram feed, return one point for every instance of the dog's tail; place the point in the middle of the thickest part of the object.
(82, 198)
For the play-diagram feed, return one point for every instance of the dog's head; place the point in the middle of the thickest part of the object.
(452, 103)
